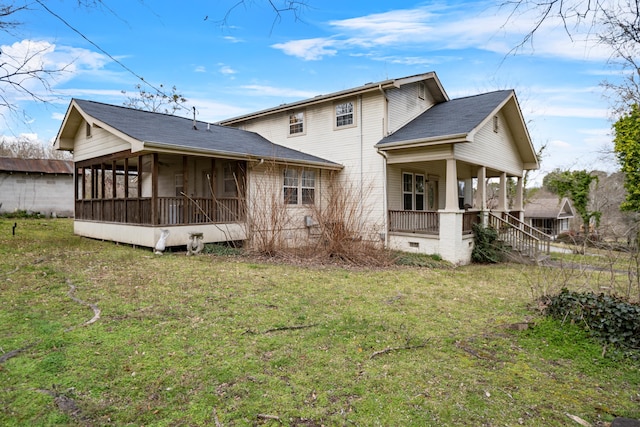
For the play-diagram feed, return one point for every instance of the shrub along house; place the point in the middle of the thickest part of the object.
(413, 163)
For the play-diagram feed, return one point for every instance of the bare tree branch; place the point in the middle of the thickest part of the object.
(615, 25)
(281, 7)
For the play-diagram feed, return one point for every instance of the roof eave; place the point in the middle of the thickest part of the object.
(435, 88)
(178, 149)
(421, 142)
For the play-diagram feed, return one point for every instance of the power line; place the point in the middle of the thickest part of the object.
(129, 70)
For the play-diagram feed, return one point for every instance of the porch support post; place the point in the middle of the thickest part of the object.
(154, 189)
(451, 200)
(212, 191)
(502, 193)
(519, 206)
(482, 194)
(451, 244)
(185, 190)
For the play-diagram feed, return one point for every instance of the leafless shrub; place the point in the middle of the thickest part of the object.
(267, 219)
(336, 228)
(346, 230)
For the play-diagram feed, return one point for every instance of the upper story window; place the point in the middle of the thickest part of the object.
(296, 123)
(344, 114)
(87, 130)
(299, 186)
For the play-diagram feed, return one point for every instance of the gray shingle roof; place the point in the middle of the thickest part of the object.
(547, 205)
(456, 117)
(179, 132)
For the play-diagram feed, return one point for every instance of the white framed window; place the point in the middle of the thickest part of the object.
(299, 186)
(345, 114)
(179, 184)
(229, 180)
(87, 130)
(496, 124)
(413, 191)
(422, 90)
(296, 123)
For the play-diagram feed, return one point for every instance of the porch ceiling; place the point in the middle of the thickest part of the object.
(466, 170)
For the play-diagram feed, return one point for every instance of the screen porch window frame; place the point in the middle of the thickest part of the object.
(178, 182)
(297, 123)
(413, 191)
(345, 114)
(299, 186)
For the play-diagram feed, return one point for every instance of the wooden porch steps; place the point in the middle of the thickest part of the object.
(526, 243)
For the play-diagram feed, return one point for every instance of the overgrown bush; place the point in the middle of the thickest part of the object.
(419, 260)
(223, 249)
(606, 317)
(21, 214)
(487, 248)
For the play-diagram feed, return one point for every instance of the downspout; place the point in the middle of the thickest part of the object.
(384, 198)
(385, 132)
(361, 161)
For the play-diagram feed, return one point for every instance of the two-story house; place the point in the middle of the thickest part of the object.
(412, 164)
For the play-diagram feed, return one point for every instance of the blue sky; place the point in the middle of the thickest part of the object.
(257, 61)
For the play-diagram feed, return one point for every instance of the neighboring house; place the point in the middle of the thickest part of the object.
(37, 186)
(549, 213)
(409, 158)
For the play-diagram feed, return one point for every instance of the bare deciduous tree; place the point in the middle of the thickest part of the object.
(158, 101)
(26, 148)
(612, 24)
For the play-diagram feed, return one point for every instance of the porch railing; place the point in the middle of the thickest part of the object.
(425, 222)
(468, 219)
(169, 210)
(520, 236)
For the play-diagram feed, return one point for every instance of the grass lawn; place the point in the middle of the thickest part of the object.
(228, 341)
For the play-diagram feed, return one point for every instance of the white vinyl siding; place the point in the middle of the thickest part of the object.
(487, 144)
(99, 144)
(405, 105)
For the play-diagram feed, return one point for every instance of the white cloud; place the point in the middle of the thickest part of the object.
(200, 69)
(226, 70)
(52, 64)
(559, 144)
(232, 39)
(571, 111)
(308, 49)
(439, 28)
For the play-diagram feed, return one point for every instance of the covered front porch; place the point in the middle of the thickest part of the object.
(440, 202)
(131, 198)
